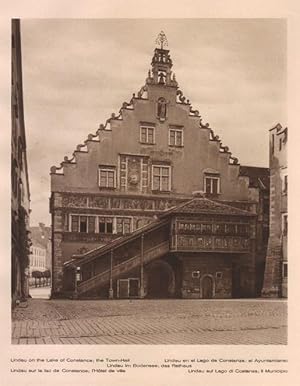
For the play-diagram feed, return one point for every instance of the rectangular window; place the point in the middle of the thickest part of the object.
(107, 177)
(102, 226)
(123, 225)
(83, 224)
(176, 136)
(285, 184)
(212, 185)
(284, 224)
(285, 269)
(109, 226)
(272, 143)
(147, 135)
(161, 178)
(74, 223)
(105, 225)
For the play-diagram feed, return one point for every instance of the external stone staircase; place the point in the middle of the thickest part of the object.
(95, 269)
(134, 262)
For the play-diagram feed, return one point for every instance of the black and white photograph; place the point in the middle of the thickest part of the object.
(149, 181)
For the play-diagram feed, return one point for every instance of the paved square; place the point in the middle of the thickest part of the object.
(175, 321)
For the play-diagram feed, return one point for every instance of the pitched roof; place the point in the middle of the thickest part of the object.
(203, 205)
(40, 235)
(258, 177)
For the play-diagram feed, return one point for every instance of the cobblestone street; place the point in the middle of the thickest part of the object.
(42, 321)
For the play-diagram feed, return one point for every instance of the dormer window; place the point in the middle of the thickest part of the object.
(147, 134)
(107, 177)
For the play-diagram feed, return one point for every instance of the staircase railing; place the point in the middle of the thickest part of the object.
(103, 277)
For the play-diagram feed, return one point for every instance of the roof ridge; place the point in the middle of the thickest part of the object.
(216, 203)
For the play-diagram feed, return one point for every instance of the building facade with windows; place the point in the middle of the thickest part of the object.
(152, 157)
(37, 258)
(20, 194)
(40, 251)
(276, 272)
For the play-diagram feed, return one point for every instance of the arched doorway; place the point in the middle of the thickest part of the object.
(207, 287)
(160, 280)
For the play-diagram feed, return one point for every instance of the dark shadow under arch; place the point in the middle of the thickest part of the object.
(160, 280)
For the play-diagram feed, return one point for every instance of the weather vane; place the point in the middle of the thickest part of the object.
(162, 39)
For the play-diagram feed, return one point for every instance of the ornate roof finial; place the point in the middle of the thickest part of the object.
(162, 40)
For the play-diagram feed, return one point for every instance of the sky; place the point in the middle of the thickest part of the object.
(77, 72)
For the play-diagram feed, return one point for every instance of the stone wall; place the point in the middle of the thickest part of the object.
(217, 267)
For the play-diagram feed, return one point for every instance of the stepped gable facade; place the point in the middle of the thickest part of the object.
(151, 157)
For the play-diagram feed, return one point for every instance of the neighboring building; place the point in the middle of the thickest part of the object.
(41, 235)
(37, 258)
(259, 184)
(276, 272)
(40, 257)
(113, 230)
(20, 196)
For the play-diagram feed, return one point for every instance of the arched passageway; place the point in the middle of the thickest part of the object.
(160, 280)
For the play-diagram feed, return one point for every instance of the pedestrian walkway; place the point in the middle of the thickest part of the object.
(40, 292)
(150, 322)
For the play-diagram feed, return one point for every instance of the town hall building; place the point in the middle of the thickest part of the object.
(154, 205)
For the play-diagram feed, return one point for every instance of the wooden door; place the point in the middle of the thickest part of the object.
(207, 287)
(123, 288)
(133, 288)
